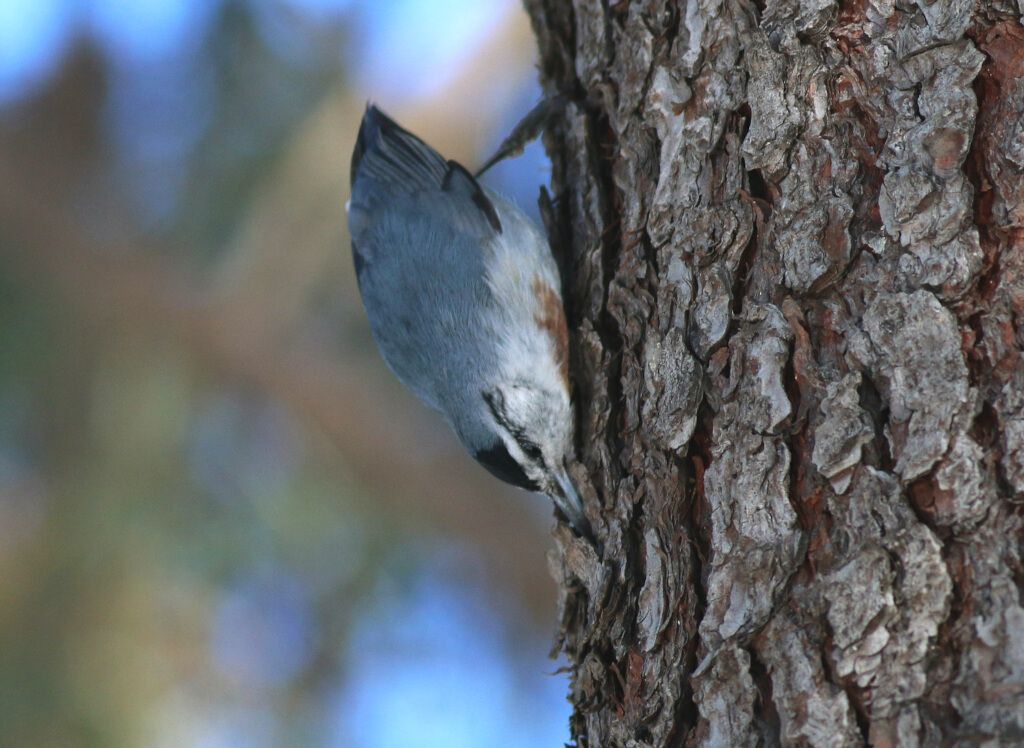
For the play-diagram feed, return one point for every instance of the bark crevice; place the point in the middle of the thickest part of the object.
(802, 323)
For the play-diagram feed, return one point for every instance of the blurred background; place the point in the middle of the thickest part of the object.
(223, 522)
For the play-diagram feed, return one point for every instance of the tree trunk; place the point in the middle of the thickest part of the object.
(794, 252)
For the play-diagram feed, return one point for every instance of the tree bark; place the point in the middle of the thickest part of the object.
(793, 238)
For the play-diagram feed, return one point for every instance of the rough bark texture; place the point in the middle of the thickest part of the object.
(794, 249)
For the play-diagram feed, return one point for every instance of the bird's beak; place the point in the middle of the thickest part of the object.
(568, 500)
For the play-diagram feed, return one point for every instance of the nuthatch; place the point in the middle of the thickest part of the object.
(463, 297)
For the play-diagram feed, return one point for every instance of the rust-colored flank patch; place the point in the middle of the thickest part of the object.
(551, 317)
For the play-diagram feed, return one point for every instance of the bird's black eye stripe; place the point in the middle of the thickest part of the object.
(495, 403)
(501, 465)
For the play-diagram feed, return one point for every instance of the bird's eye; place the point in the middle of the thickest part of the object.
(496, 404)
(530, 449)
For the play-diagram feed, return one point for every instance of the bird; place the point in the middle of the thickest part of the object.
(464, 301)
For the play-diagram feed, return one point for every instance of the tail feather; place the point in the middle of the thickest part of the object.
(393, 157)
(389, 162)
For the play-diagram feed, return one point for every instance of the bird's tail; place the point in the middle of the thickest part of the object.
(394, 158)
